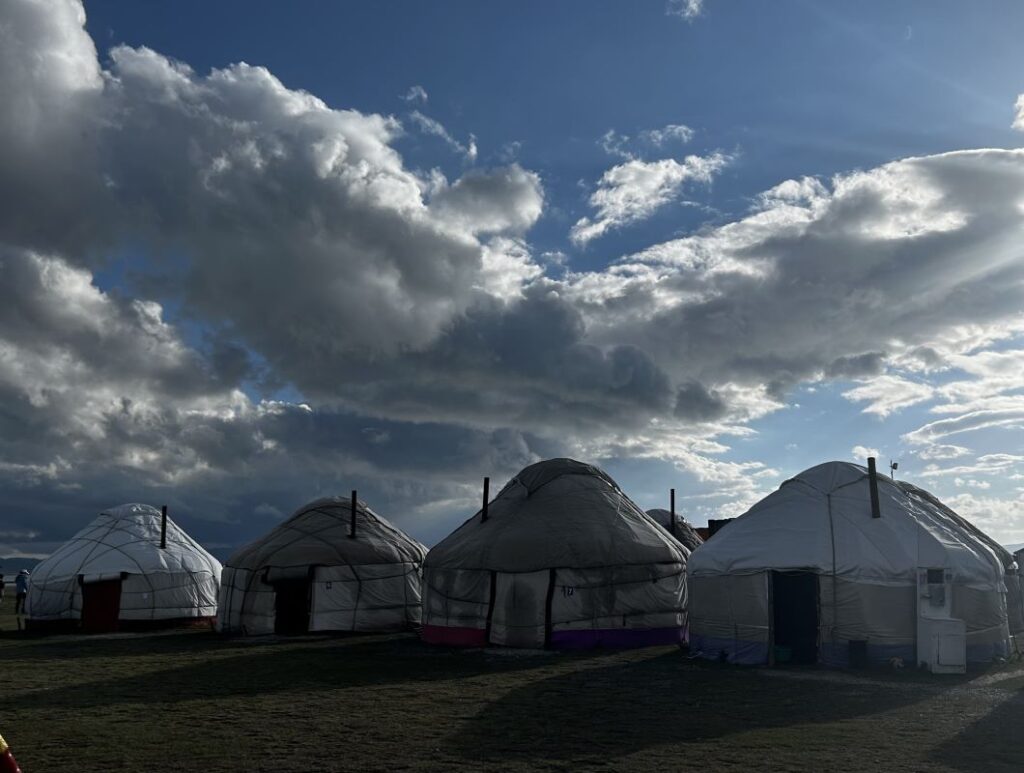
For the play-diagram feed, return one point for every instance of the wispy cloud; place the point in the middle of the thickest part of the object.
(431, 126)
(624, 146)
(415, 94)
(673, 132)
(940, 451)
(888, 394)
(685, 9)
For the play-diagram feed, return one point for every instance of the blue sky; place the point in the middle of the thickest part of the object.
(505, 232)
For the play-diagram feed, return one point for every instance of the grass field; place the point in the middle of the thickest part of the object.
(197, 702)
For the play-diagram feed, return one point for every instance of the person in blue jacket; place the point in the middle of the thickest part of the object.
(20, 591)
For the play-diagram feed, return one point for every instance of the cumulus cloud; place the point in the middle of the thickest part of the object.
(491, 201)
(871, 265)
(404, 312)
(634, 190)
(1018, 120)
(861, 453)
(104, 402)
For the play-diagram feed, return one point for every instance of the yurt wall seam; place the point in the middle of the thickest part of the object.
(835, 590)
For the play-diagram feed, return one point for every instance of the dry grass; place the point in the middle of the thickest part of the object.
(194, 701)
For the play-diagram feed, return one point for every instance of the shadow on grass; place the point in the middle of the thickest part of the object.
(28, 647)
(992, 743)
(283, 666)
(614, 711)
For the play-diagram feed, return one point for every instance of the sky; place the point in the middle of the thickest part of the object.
(256, 253)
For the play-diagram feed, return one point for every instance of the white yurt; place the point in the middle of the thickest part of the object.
(324, 569)
(560, 558)
(677, 527)
(845, 567)
(129, 568)
(1015, 601)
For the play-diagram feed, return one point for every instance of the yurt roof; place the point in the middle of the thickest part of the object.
(125, 539)
(683, 532)
(557, 513)
(821, 520)
(317, 534)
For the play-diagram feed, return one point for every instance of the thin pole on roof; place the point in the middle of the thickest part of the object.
(672, 510)
(163, 527)
(487, 490)
(352, 522)
(876, 510)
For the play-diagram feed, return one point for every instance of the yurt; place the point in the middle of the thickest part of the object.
(677, 527)
(1015, 602)
(131, 567)
(560, 558)
(335, 565)
(846, 567)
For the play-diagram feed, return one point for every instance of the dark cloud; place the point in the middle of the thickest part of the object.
(695, 402)
(856, 366)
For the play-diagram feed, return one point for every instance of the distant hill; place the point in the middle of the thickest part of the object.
(1014, 548)
(11, 566)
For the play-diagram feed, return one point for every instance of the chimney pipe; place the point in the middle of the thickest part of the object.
(672, 510)
(876, 510)
(163, 527)
(487, 489)
(352, 522)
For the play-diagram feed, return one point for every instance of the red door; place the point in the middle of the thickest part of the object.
(101, 606)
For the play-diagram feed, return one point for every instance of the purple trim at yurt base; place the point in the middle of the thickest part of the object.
(616, 638)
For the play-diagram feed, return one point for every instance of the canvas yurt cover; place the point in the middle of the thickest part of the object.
(115, 574)
(311, 574)
(564, 559)
(678, 528)
(1015, 602)
(809, 569)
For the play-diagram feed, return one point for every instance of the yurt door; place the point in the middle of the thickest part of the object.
(519, 614)
(795, 616)
(101, 606)
(291, 606)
